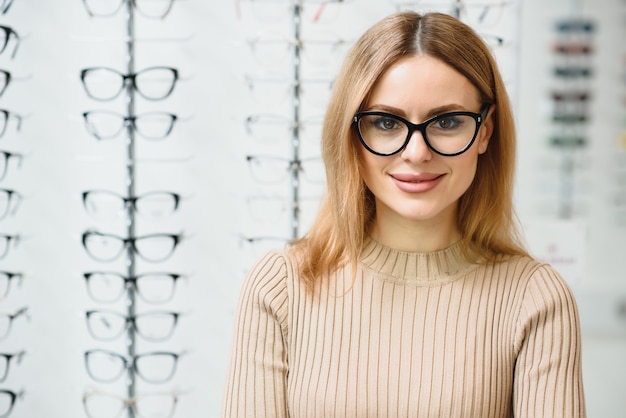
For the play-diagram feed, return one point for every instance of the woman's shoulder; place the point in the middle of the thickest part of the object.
(532, 273)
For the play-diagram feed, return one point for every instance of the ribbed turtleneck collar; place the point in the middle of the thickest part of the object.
(418, 269)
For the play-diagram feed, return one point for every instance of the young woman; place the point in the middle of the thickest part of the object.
(411, 296)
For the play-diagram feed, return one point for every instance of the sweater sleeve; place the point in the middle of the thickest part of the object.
(257, 378)
(548, 375)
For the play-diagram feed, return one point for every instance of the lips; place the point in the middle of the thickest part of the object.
(416, 182)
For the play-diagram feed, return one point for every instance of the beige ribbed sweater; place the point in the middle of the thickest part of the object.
(418, 335)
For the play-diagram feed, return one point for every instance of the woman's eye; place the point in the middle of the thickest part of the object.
(449, 122)
(386, 124)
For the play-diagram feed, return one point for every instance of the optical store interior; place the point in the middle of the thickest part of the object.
(152, 150)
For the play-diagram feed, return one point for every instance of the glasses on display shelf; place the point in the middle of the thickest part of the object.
(153, 9)
(5, 115)
(6, 277)
(576, 25)
(5, 5)
(5, 243)
(272, 169)
(320, 49)
(6, 33)
(573, 48)
(9, 202)
(107, 325)
(568, 142)
(476, 13)
(277, 10)
(272, 128)
(5, 362)
(152, 205)
(270, 88)
(5, 157)
(571, 72)
(448, 134)
(153, 83)
(570, 118)
(99, 404)
(273, 209)
(571, 96)
(7, 319)
(154, 288)
(103, 124)
(152, 247)
(152, 367)
(8, 399)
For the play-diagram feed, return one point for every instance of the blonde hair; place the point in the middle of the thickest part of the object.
(485, 212)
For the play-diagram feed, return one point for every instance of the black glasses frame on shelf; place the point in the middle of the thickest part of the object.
(115, 323)
(5, 362)
(135, 80)
(144, 284)
(5, 115)
(147, 204)
(131, 362)
(144, 124)
(11, 317)
(138, 5)
(8, 398)
(4, 161)
(6, 277)
(172, 239)
(8, 31)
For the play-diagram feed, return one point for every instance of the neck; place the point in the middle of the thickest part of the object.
(415, 236)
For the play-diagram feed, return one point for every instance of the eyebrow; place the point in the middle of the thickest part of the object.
(453, 107)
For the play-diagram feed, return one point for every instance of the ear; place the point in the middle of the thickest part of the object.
(486, 130)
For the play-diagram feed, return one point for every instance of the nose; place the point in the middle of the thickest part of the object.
(416, 150)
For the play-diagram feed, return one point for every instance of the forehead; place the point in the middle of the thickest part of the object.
(422, 82)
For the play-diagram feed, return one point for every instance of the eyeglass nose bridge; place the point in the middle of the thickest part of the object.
(412, 128)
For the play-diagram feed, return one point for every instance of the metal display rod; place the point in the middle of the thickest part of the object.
(130, 190)
(296, 165)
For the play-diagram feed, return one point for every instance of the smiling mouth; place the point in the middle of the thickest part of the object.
(416, 179)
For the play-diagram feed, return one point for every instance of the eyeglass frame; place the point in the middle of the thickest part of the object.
(130, 362)
(9, 277)
(129, 78)
(134, 4)
(132, 281)
(14, 397)
(130, 321)
(12, 316)
(10, 356)
(10, 31)
(130, 201)
(131, 242)
(130, 402)
(126, 121)
(421, 127)
(7, 156)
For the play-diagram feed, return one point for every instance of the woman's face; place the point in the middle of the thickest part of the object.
(417, 184)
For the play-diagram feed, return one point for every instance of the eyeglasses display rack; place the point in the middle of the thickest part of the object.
(12, 316)
(155, 367)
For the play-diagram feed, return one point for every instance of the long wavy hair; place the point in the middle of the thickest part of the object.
(485, 211)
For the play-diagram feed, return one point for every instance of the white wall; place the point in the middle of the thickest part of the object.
(204, 160)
